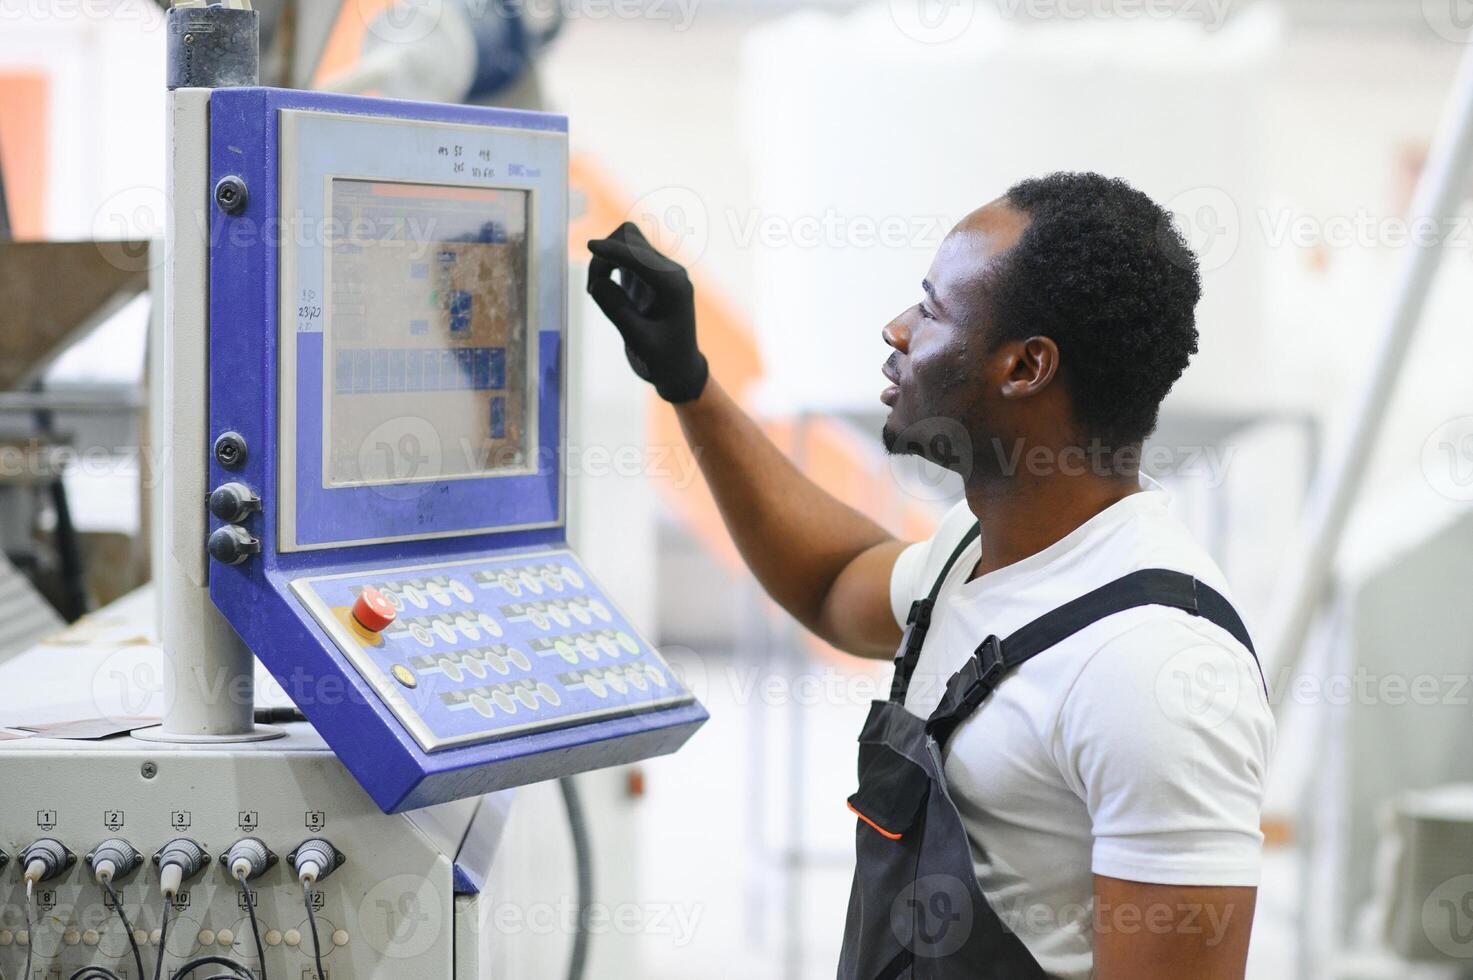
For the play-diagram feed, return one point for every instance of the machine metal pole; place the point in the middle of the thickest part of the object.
(209, 672)
(1310, 561)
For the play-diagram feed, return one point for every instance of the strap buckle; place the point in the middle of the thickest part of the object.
(989, 657)
(920, 614)
(967, 689)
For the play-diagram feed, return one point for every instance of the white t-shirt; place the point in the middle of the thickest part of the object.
(1137, 748)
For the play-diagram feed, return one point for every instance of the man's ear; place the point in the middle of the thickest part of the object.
(1029, 367)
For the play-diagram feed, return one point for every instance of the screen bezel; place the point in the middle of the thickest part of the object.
(315, 147)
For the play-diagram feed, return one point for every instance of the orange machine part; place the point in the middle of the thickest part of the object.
(23, 158)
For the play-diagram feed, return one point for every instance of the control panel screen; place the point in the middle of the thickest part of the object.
(428, 356)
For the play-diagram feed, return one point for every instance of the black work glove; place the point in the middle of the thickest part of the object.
(654, 307)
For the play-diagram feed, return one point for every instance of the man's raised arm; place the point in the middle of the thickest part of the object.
(821, 560)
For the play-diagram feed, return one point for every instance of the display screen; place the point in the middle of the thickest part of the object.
(428, 352)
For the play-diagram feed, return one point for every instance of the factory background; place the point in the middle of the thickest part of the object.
(804, 160)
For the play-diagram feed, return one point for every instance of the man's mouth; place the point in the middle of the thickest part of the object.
(892, 392)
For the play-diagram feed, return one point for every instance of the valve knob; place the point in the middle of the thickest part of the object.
(233, 502)
(232, 544)
(373, 610)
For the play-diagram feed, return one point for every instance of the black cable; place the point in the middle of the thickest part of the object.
(94, 973)
(312, 922)
(158, 964)
(107, 885)
(241, 972)
(250, 905)
(583, 860)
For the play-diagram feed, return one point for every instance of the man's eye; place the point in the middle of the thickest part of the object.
(925, 313)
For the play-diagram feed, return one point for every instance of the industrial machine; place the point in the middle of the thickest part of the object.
(362, 367)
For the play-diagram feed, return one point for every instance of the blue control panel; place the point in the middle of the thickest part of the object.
(484, 649)
(387, 355)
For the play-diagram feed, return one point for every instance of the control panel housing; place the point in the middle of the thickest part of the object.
(387, 347)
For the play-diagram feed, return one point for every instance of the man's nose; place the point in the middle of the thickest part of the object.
(897, 335)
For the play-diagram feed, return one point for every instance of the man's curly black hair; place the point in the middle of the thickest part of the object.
(1103, 271)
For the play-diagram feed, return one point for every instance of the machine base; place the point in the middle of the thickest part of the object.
(260, 733)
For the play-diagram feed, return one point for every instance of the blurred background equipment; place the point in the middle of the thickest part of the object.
(362, 481)
(804, 160)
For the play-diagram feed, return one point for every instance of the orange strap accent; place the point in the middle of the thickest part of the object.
(878, 829)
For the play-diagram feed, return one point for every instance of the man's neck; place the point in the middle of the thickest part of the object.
(1021, 515)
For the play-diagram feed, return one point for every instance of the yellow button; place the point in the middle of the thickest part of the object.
(404, 675)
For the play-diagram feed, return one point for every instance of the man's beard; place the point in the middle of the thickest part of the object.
(942, 441)
(889, 438)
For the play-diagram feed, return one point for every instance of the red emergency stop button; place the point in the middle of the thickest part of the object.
(373, 610)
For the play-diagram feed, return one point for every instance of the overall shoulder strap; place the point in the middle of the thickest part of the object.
(919, 621)
(977, 678)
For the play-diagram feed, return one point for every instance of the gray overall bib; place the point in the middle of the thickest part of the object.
(916, 910)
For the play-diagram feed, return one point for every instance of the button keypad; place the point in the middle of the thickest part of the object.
(503, 646)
